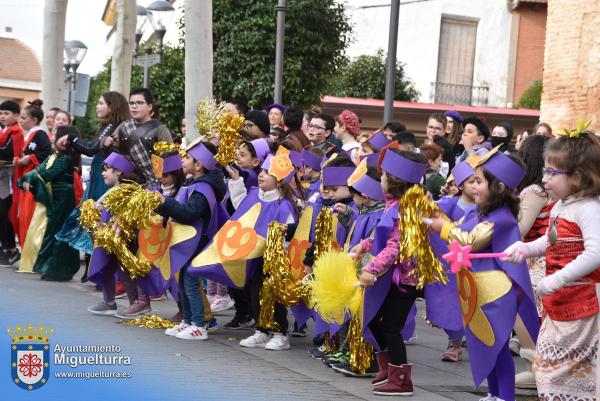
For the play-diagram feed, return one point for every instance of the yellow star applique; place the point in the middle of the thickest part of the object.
(234, 244)
(476, 289)
(179, 233)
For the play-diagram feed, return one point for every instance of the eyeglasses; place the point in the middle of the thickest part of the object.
(248, 125)
(431, 127)
(551, 172)
(317, 127)
(137, 103)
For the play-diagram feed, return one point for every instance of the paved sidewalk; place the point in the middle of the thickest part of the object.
(218, 368)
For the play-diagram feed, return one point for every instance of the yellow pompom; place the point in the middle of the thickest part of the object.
(334, 289)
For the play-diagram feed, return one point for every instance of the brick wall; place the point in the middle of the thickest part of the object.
(571, 63)
(529, 63)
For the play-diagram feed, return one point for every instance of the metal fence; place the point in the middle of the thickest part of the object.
(466, 95)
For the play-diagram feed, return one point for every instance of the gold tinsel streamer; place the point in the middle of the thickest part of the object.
(131, 208)
(330, 345)
(161, 147)
(361, 352)
(278, 285)
(114, 244)
(229, 126)
(89, 216)
(207, 114)
(149, 322)
(323, 232)
(414, 243)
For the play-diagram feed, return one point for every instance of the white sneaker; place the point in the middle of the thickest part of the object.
(489, 398)
(193, 332)
(221, 303)
(411, 341)
(258, 339)
(177, 329)
(278, 342)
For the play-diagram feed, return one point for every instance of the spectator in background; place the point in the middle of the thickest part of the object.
(407, 141)
(292, 119)
(50, 115)
(522, 136)
(393, 128)
(346, 129)
(502, 136)
(236, 107)
(454, 128)
(448, 159)
(543, 129)
(433, 180)
(275, 113)
(308, 115)
(256, 125)
(319, 132)
(436, 126)
(475, 133)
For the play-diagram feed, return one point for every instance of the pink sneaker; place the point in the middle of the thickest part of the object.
(134, 310)
(453, 353)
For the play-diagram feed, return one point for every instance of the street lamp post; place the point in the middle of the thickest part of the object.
(281, 8)
(158, 13)
(74, 53)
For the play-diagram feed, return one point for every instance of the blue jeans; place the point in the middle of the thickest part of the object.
(191, 301)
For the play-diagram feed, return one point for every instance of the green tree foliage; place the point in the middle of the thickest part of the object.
(532, 97)
(316, 36)
(364, 77)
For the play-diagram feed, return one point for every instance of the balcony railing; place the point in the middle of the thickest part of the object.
(466, 95)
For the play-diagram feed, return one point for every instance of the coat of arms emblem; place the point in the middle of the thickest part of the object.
(30, 356)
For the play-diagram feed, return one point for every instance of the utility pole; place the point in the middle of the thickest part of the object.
(390, 77)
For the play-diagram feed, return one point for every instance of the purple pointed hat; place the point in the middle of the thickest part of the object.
(172, 163)
(503, 168)
(202, 154)
(401, 167)
(296, 158)
(261, 148)
(285, 167)
(461, 172)
(336, 176)
(364, 184)
(372, 159)
(311, 160)
(378, 141)
(119, 162)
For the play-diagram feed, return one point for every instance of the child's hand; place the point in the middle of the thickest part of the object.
(234, 174)
(549, 285)
(26, 186)
(108, 141)
(367, 279)
(435, 224)
(356, 251)
(515, 253)
(340, 208)
(161, 197)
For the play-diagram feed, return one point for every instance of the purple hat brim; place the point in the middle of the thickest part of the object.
(402, 168)
(369, 187)
(311, 160)
(267, 164)
(201, 154)
(261, 148)
(336, 176)
(296, 158)
(372, 159)
(172, 163)
(461, 172)
(119, 162)
(506, 170)
(378, 141)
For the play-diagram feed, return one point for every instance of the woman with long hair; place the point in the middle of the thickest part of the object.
(112, 109)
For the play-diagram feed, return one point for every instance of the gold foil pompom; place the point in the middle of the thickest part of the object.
(207, 114)
(228, 128)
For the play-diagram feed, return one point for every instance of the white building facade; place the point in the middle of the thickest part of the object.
(455, 51)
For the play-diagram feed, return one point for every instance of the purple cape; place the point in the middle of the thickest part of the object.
(210, 266)
(442, 305)
(501, 313)
(375, 295)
